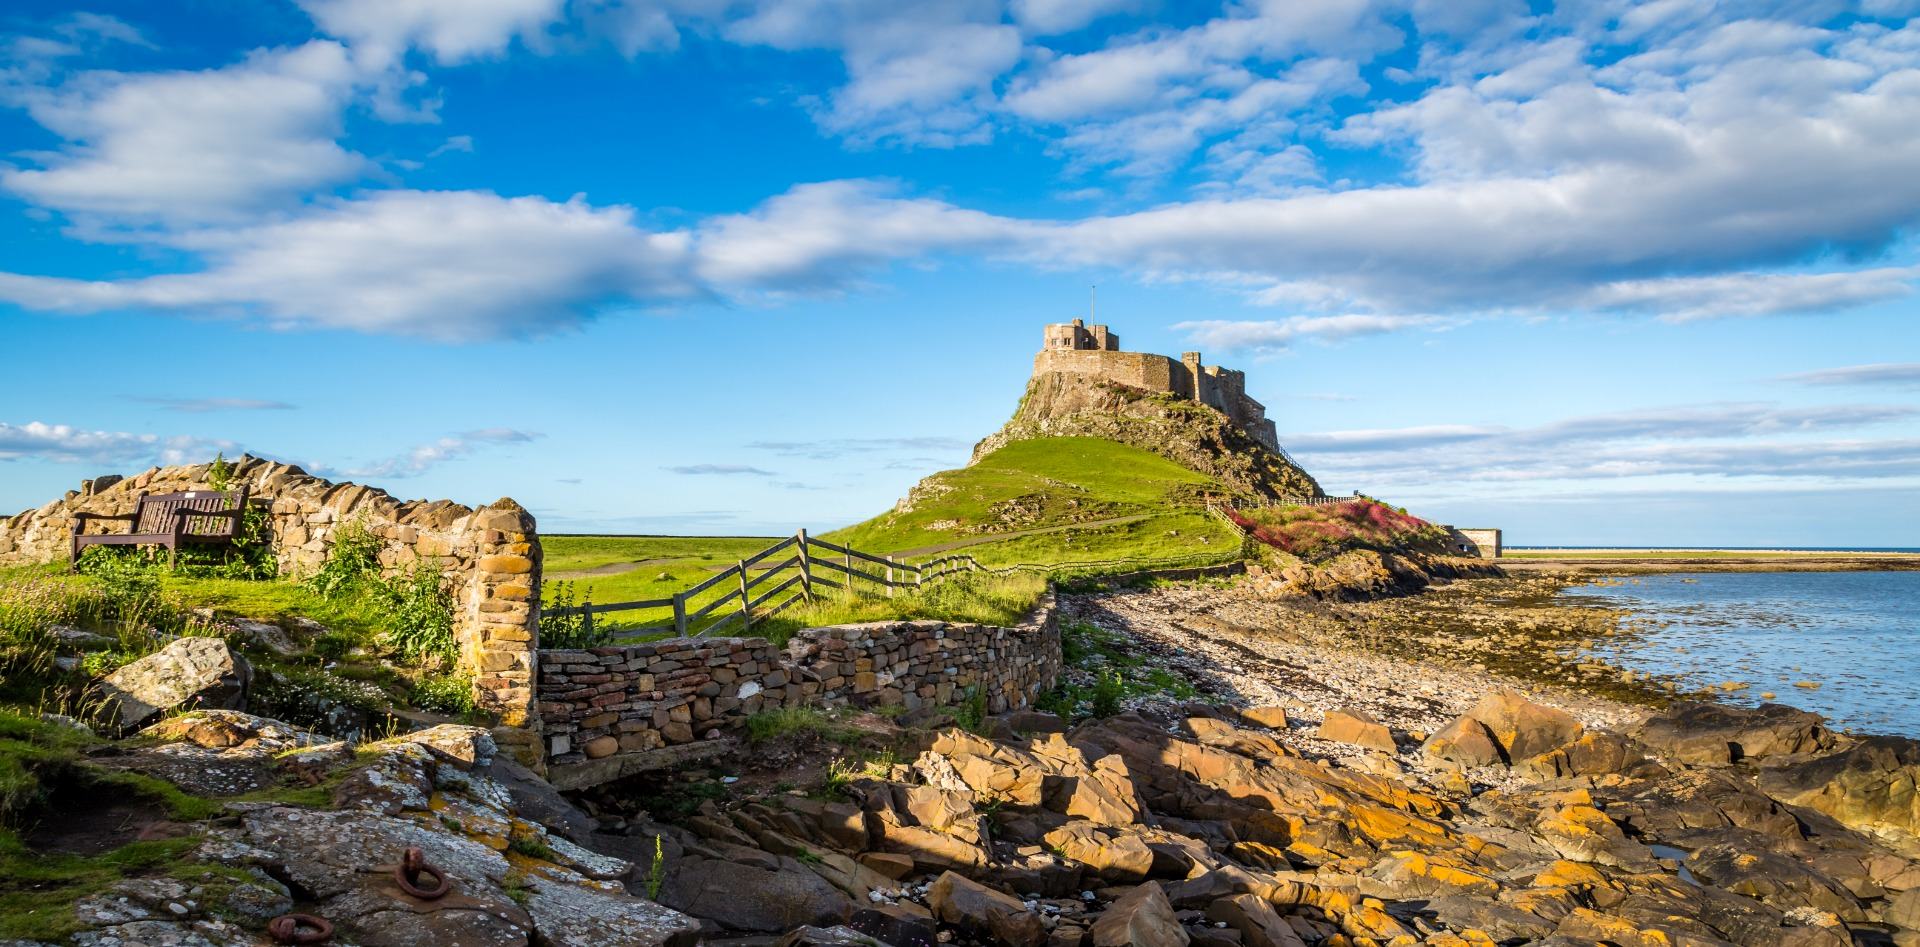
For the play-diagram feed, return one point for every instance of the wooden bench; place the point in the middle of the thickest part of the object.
(206, 517)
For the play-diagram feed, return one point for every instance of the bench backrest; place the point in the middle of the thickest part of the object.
(155, 512)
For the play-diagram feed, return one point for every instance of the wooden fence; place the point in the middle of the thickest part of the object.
(751, 589)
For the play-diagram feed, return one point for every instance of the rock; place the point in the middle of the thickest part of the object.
(1033, 721)
(268, 636)
(400, 779)
(777, 895)
(1869, 786)
(1903, 910)
(1356, 727)
(896, 925)
(1465, 742)
(1716, 734)
(887, 864)
(1140, 918)
(1106, 795)
(568, 915)
(1115, 856)
(1256, 921)
(1596, 753)
(69, 640)
(839, 936)
(1522, 727)
(984, 911)
(1270, 715)
(1778, 880)
(465, 747)
(188, 672)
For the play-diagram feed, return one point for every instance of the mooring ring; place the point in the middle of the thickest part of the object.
(287, 929)
(413, 864)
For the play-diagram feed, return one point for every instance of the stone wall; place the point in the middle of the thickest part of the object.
(491, 553)
(601, 704)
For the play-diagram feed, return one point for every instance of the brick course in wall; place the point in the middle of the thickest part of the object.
(607, 702)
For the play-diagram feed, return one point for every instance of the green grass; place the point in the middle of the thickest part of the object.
(682, 560)
(1042, 483)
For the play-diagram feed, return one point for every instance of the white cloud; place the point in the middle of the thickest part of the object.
(1904, 375)
(211, 145)
(452, 30)
(446, 265)
(1048, 17)
(1272, 335)
(63, 443)
(718, 470)
(418, 460)
(1686, 299)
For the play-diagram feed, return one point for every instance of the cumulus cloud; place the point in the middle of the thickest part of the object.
(451, 30)
(194, 146)
(64, 443)
(445, 265)
(718, 470)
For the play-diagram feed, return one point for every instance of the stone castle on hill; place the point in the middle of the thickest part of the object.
(1075, 348)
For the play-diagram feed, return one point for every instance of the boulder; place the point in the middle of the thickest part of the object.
(1466, 742)
(1870, 786)
(897, 925)
(189, 672)
(1356, 727)
(1106, 795)
(1522, 727)
(570, 915)
(1140, 918)
(1596, 753)
(1269, 715)
(1773, 878)
(984, 911)
(1116, 856)
(464, 747)
(1256, 920)
(1712, 734)
(776, 894)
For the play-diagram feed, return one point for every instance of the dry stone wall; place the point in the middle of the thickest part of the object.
(491, 553)
(603, 703)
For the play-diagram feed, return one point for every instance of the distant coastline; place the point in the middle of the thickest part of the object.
(1651, 559)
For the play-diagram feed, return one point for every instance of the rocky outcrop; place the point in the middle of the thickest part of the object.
(1871, 786)
(188, 672)
(1359, 575)
(1186, 432)
(1717, 734)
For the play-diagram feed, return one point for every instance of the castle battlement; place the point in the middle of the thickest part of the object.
(1074, 348)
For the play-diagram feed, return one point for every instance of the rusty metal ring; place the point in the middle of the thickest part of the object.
(413, 864)
(287, 929)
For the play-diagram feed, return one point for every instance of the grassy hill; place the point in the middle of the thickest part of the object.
(1054, 500)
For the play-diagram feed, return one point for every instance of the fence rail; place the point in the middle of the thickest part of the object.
(1293, 501)
(744, 600)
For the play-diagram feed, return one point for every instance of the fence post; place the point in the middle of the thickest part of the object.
(746, 609)
(848, 562)
(586, 624)
(889, 576)
(806, 568)
(680, 614)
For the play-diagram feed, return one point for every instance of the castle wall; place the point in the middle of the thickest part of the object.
(1072, 348)
(1139, 369)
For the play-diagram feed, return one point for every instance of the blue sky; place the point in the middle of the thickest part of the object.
(1599, 273)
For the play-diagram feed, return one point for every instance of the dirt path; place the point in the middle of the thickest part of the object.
(613, 568)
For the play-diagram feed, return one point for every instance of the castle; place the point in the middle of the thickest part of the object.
(1075, 348)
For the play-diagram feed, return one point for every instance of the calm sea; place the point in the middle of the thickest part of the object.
(1856, 634)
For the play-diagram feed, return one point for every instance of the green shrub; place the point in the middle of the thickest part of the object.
(561, 630)
(419, 611)
(450, 694)
(1108, 689)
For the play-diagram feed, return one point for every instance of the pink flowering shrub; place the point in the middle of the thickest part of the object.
(1317, 532)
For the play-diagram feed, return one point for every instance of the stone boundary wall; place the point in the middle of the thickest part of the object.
(601, 705)
(491, 552)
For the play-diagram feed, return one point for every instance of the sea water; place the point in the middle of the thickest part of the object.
(1855, 634)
